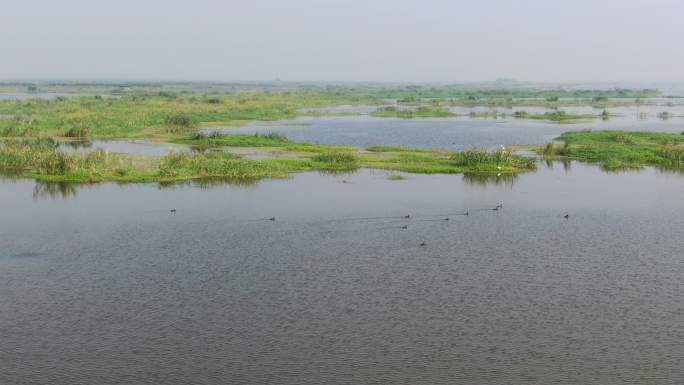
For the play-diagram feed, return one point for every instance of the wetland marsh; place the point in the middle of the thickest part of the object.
(294, 235)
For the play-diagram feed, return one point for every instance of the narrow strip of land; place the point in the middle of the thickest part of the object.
(42, 158)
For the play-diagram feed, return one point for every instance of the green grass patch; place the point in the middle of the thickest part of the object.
(500, 160)
(336, 161)
(620, 149)
(274, 140)
(395, 149)
(555, 116)
(447, 162)
(42, 158)
(494, 114)
(217, 139)
(224, 165)
(420, 112)
(396, 177)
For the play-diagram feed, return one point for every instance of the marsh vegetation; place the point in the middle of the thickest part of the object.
(620, 149)
(555, 116)
(43, 159)
(149, 110)
(420, 112)
(33, 129)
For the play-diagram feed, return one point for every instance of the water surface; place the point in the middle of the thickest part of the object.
(133, 147)
(34, 95)
(101, 284)
(446, 133)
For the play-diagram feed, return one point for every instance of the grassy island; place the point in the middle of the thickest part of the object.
(555, 116)
(620, 149)
(232, 157)
(420, 112)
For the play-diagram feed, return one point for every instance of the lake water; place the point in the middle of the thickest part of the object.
(102, 284)
(133, 147)
(451, 133)
(462, 132)
(446, 133)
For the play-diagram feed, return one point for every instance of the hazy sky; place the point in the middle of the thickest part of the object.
(380, 40)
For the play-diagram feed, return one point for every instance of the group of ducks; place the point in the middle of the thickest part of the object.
(408, 216)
